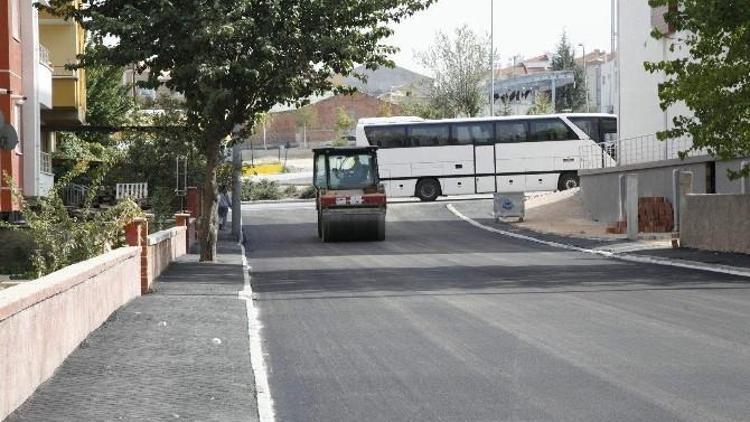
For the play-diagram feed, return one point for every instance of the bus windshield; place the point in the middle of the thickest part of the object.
(350, 171)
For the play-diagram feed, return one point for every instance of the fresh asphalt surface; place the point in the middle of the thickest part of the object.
(446, 322)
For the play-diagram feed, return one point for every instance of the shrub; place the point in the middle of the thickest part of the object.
(60, 239)
(308, 192)
(260, 190)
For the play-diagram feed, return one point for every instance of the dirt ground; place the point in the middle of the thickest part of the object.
(562, 213)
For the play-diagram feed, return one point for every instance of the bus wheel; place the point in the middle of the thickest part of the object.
(428, 190)
(568, 181)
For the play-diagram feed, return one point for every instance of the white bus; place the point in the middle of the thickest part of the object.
(431, 158)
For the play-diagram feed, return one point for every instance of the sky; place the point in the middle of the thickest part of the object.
(525, 27)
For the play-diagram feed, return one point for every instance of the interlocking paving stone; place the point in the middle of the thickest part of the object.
(180, 353)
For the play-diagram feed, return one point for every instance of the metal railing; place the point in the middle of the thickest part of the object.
(46, 162)
(73, 195)
(638, 150)
(44, 56)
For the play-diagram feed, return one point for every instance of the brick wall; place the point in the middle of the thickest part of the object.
(285, 126)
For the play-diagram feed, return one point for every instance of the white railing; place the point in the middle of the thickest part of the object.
(638, 150)
(46, 162)
(44, 55)
(134, 191)
(62, 72)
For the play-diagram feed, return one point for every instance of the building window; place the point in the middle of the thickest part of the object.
(17, 123)
(15, 16)
(658, 20)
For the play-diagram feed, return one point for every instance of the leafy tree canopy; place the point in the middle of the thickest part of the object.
(460, 63)
(570, 97)
(234, 59)
(711, 75)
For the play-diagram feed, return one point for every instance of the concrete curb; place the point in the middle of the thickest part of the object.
(254, 327)
(678, 263)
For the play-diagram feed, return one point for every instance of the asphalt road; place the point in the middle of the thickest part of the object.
(445, 322)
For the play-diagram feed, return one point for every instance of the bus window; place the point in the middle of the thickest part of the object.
(511, 131)
(473, 133)
(386, 136)
(429, 135)
(589, 125)
(609, 128)
(550, 130)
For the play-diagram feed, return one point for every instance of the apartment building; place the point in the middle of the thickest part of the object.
(38, 95)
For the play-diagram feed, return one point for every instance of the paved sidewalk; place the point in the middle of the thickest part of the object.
(652, 246)
(180, 353)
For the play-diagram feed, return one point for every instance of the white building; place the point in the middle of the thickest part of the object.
(37, 79)
(639, 109)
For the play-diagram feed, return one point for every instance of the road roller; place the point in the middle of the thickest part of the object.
(350, 200)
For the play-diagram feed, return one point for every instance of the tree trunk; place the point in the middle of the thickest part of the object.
(209, 224)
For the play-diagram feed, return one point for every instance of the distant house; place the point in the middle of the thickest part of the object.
(317, 123)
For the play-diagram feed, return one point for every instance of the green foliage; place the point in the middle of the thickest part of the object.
(344, 123)
(151, 156)
(109, 104)
(507, 110)
(542, 104)
(162, 206)
(18, 246)
(308, 193)
(60, 239)
(261, 190)
(460, 64)
(570, 97)
(235, 59)
(711, 77)
(425, 110)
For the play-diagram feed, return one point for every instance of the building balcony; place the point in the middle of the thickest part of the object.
(45, 79)
(68, 97)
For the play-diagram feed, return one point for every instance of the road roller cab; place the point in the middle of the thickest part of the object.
(351, 202)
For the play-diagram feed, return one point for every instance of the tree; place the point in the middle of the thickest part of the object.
(234, 59)
(460, 64)
(712, 79)
(264, 120)
(307, 117)
(108, 104)
(385, 109)
(542, 104)
(570, 97)
(344, 124)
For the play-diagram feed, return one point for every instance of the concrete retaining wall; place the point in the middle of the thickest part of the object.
(43, 321)
(600, 189)
(717, 223)
(163, 248)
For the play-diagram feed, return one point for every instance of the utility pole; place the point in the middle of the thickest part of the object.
(237, 192)
(492, 57)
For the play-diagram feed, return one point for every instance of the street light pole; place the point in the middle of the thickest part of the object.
(492, 57)
(585, 77)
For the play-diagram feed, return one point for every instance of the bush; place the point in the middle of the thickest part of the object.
(260, 190)
(308, 192)
(18, 247)
(60, 239)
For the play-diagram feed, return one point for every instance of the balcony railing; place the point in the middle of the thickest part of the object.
(46, 163)
(44, 56)
(62, 72)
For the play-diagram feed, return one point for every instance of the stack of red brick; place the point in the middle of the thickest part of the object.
(655, 215)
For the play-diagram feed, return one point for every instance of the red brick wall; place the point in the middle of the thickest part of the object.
(284, 127)
(10, 78)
